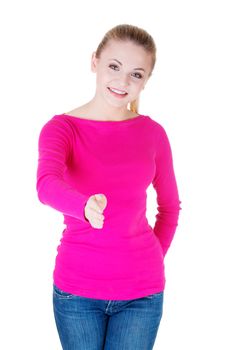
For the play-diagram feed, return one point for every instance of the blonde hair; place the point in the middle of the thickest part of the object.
(139, 36)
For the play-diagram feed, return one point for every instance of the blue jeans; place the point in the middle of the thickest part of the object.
(94, 324)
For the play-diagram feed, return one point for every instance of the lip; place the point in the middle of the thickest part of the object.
(116, 95)
(111, 87)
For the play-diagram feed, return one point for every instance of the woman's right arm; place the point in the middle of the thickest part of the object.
(54, 146)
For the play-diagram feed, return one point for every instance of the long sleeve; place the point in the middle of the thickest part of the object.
(168, 200)
(54, 147)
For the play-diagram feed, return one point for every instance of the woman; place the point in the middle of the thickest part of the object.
(95, 165)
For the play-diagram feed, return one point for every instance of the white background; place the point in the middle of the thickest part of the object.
(45, 57)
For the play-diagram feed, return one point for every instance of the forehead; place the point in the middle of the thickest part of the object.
(126, 52)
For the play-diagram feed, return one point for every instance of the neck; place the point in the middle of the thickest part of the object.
(103, 110)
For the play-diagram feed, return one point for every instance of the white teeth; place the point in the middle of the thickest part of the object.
(118, 92)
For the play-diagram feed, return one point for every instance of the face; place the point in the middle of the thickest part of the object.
(124, 67)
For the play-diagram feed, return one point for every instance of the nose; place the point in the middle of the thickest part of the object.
(124, 80)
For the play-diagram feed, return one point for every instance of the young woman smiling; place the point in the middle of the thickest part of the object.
(95, 165)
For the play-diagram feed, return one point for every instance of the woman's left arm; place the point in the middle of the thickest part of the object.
(168, 201)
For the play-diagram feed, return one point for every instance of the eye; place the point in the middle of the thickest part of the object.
(136, 75)
(113, 65)
(139, 75)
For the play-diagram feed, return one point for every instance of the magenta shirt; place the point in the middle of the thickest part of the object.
(82, 157)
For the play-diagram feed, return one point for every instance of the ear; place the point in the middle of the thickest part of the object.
(93, 62)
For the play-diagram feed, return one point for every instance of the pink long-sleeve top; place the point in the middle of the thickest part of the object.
(81, 157)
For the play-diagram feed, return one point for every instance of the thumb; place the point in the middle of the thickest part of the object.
(101, 198)
(98, 196)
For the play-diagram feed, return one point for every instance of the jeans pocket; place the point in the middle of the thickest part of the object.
(60, 294)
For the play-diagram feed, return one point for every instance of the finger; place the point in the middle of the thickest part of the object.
(101, 198)
(92, 213)
(95, 206)
(97, 223)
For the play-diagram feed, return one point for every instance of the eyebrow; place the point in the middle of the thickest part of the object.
(114, 59)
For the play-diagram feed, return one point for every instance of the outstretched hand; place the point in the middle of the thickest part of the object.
(94, 208)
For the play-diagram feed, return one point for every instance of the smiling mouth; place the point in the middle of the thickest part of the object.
(117, 93)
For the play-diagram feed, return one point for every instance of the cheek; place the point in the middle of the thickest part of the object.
(105, 77)
(102, 80)
(137, 85)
